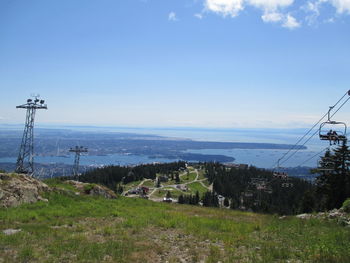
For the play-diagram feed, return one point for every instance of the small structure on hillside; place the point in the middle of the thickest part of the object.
(221, 200)
(167, 199)
(140, 190)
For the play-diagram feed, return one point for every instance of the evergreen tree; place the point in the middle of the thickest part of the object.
(333, 185)
(177, 178)
(214, 200)
(158, 183)
(232, 182)
(181, 199)
(119, 189)
(232, 204)
(307, 202)
(207, 199)
(111, 175)
(226, 202)
(196, 198)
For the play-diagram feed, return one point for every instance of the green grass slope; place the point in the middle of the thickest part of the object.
(71, 228)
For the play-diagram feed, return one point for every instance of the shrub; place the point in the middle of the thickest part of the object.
(346, 205)
(88, 188)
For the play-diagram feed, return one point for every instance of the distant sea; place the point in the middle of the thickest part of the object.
(260, 157)
(94, 160)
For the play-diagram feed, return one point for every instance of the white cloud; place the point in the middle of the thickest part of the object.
(329, 20)
(199, 16)
(225, 7)
(270, 5)
(279, 11)
(313, 7)
(290, 22)
(313, 11)
(172, 16)
(270, 9)
(272, 17)
(342, 6)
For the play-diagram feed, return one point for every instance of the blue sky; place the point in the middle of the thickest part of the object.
(198, 63)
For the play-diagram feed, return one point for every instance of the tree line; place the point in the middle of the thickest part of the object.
(251, 188)
(257, 189)
(289, 195)
(111, 176)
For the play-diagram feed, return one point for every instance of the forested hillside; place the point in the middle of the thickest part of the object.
(249, 188)
(111, 176)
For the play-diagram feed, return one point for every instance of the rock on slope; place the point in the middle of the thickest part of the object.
(338, 215)
(17, 189)
(93, 189)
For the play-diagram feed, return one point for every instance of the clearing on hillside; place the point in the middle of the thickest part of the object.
(72, 228)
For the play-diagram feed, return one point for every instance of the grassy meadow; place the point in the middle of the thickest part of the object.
(197, 186)
(76, 228)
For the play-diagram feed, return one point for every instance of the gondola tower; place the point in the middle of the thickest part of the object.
(77, 150)
(25, 160)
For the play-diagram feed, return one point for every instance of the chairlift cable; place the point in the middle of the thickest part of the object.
(300, 146)
(308, 132)
(313, 156)
(290, 156)
(297, 143)
(340, 106)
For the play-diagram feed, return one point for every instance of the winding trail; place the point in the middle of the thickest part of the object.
(174, 186)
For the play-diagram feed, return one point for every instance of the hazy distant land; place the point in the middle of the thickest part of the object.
(56, 142)
(124, 148)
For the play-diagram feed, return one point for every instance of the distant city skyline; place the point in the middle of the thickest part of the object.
(152, 63)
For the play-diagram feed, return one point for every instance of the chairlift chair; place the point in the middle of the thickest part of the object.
(248, 194)
(278, 172)
(268, 190)
(332, 131)
(287, 185)
(281, 176)
(261, 187)
(326, 164)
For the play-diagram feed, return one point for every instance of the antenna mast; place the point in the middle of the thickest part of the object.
(25, 160)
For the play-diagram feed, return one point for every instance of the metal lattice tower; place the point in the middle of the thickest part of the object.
(25, 160)
(77, 150)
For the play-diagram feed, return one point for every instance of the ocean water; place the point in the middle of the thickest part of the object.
(263, 158)
(94, 160)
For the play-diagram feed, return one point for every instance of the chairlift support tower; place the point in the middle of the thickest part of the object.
(25, 160)
(77, 150)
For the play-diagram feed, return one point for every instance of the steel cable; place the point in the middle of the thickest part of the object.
(308, 132)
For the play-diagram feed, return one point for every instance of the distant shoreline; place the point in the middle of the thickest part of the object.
(52, 145)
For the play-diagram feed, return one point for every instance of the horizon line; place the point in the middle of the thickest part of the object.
(69, 125)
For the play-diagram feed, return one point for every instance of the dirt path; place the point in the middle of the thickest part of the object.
(154, 189)
(142, 182)
(207, 187)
